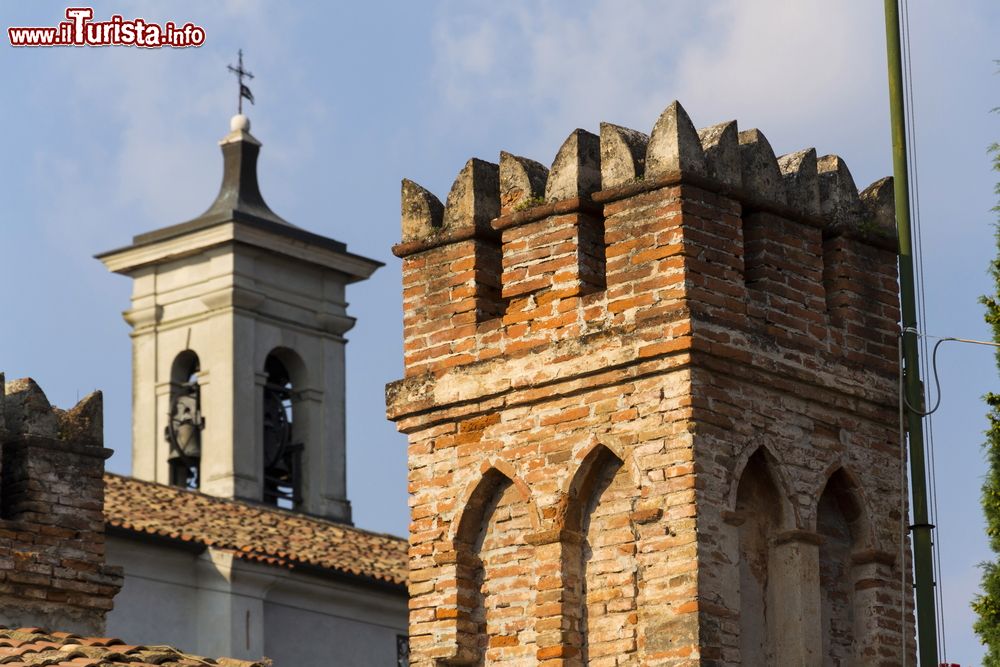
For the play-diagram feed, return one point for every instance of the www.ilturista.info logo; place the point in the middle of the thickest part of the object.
(80, 30)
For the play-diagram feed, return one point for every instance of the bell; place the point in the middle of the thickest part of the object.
(184, 431)
(188, 441)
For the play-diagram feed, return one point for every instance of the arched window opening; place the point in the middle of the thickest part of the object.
(759, 509)
(839, 520)
(282, 455)
(185, 421)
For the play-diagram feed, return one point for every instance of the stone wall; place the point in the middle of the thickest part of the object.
(650, 396)
(52, 562)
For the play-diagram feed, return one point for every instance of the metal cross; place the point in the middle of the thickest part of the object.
(240, 73)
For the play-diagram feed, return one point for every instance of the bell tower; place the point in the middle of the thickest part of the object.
(238, 320)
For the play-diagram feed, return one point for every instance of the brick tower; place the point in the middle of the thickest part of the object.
(651, 401)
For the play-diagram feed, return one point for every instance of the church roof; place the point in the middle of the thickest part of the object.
(34, 647)
(253, 532)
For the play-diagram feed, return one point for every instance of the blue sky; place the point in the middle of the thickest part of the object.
(102, 143)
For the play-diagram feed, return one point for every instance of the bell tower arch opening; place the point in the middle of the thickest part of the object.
(185, 421)
(283, 444)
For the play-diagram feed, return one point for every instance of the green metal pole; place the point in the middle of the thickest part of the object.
(921, 530)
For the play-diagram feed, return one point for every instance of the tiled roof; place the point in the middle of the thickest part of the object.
(251, 531)
(36, 647)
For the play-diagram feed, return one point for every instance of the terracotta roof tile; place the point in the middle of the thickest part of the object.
(35, 647)
(253, 532)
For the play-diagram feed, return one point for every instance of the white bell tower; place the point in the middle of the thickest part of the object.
(238, 321)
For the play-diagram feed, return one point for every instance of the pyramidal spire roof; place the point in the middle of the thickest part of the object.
(239, 212)
(239, 198)
(239, 194)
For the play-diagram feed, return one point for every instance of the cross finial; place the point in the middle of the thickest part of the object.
(240, 73)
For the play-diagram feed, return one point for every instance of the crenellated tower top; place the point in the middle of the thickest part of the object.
(511, 271)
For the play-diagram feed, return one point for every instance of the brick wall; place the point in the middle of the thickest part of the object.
(650, 396)
(52, 567)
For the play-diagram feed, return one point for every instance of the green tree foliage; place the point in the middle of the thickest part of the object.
(987, 604)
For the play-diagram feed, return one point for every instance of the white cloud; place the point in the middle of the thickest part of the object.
(794, 68)
(804, 72)
(566, 69)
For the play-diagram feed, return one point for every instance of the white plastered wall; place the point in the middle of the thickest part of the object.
(212, 604)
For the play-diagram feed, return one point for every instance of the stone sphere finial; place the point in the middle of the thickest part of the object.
(239, 123)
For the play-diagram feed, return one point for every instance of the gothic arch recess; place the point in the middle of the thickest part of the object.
(759, 508)
(843, 523)
(492, 552)
(788, 512)
(600, 586)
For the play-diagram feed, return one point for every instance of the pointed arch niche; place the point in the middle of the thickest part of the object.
(759, 509)
(600, 584)
(493, 558)
(843, 524)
